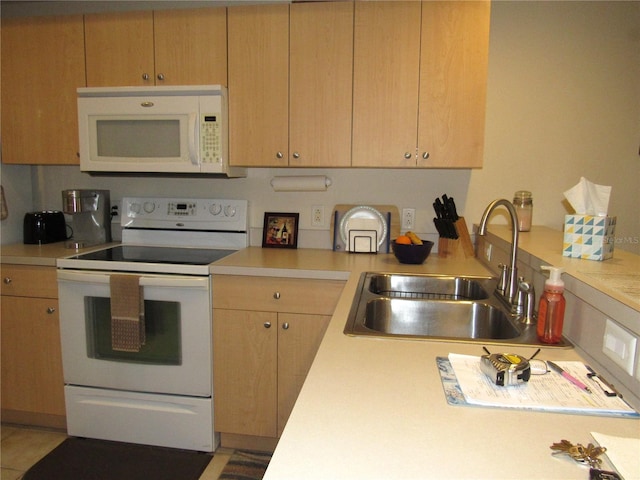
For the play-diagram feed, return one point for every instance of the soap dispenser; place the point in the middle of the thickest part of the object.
(551, 307)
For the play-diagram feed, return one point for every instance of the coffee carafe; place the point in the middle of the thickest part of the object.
(90, 212)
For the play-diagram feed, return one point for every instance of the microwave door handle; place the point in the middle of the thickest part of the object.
(193, 139)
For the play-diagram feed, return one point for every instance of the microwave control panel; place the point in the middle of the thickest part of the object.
(210, 138)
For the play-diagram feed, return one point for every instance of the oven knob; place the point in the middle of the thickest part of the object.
(149, 207)
(230, 211)
(134, 207)
(215, 209)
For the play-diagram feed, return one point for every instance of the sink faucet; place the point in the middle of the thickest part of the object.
(510, 293)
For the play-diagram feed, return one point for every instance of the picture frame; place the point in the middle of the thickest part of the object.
(280, 230)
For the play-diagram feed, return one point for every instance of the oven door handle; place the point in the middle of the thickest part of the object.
(172, 281)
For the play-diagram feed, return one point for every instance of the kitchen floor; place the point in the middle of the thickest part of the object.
(23, 446)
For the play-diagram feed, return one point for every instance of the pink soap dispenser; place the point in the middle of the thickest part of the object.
(551, 307)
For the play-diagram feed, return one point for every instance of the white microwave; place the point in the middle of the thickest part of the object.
(173, 129)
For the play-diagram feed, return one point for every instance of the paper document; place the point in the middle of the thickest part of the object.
(550, 391)
(622, 453)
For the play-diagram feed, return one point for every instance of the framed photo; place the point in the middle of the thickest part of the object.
(280, 230)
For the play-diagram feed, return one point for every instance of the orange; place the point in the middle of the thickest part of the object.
(404, 240)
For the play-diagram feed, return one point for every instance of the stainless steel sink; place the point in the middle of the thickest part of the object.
(433, 307)
(445, 319)
(430, 287)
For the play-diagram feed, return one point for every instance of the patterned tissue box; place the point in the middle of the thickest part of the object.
(588, 237)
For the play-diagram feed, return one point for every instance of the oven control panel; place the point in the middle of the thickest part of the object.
(185, 213)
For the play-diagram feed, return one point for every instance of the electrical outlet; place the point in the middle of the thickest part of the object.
(488, 250)
(408, 218)
(317, 216)
(619, 345)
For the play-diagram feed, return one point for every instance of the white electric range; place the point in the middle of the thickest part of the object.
(157, 390)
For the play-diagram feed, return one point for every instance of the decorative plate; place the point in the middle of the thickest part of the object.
(363, 218)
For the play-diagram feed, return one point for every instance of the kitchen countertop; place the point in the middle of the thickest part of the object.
(374, 408)
(618, 277)
(43, 255)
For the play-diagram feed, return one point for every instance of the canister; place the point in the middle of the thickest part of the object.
(523, 201)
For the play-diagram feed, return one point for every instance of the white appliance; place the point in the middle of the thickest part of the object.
(161, 393)
(175, 129)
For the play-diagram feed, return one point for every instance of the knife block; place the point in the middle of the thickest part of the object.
(460, 247)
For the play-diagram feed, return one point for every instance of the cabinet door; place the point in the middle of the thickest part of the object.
(32, 378)
(385, 83)
(245, 372)
(191, 46)
(321, 83)
(453, 83)
(119, 49)
(258, 85)
(42, 66)
(299, 337)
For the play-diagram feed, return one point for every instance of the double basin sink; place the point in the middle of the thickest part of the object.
(434, 307)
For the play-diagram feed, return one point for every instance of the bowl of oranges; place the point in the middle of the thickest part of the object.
(409, 248)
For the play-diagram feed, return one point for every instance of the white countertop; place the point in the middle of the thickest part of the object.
(375, 409)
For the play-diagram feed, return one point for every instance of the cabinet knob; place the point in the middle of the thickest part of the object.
(407, 155)
(285, 326)
(267, 324)
(296, 155)
(279, 155)
(161, 76)
(145, 76)
(276, 295)
(7, 280)
(51, 310)
(425, 155)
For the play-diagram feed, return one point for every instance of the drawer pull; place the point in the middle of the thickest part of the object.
(51, 310)
(7, 280)
(267, 324)
(276, 295)
(285, 326)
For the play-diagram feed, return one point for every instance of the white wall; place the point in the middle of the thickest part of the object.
(563, 101)
(16, 181)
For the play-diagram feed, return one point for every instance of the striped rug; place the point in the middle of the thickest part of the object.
(245, 465)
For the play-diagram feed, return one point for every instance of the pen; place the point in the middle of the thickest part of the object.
(569, 377)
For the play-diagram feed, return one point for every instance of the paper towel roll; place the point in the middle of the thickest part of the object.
(307, 183)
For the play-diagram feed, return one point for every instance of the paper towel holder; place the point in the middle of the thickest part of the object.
(301, 183)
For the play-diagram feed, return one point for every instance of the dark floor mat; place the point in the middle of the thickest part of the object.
(89, 459)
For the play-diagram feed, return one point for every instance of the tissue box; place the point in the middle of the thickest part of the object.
(588, 237)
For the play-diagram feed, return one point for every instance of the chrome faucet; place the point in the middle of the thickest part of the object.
(510, 292)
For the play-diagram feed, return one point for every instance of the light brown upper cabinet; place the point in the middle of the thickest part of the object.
(320, 89)
(453, 83)
(42, 66)
(420, 72)
(165, 47)
(258, 85)
(290, 83)
(385, 84)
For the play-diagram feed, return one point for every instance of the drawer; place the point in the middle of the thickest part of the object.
(276, 294)
(29, 281)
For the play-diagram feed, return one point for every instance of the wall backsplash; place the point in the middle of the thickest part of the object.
(403, 188)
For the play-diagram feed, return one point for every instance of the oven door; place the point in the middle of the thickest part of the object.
(176, 356)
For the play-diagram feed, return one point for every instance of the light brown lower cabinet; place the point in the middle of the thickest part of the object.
(266, 332)
(32, 380)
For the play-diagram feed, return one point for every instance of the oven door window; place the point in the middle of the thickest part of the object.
(162, 333)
